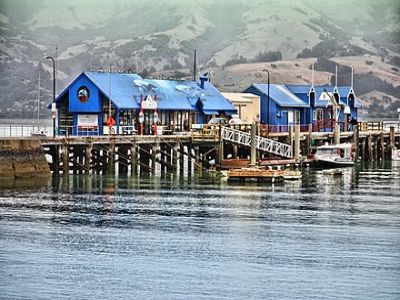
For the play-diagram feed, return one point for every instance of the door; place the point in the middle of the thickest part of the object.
(297, 117)
(285, 122)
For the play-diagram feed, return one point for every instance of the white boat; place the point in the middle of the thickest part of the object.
(333, 172)
(339, 155)
(396, 154)
(292, 175)
(38, 132)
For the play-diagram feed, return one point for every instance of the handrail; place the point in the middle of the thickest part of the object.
(24, 130)
(262, 144)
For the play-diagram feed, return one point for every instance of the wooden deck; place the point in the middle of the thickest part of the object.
(256, 174)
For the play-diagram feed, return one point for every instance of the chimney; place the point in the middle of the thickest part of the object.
(202, 80)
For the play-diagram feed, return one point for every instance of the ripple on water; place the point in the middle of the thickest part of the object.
(96, 237)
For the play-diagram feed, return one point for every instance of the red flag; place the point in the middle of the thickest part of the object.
(110, 122)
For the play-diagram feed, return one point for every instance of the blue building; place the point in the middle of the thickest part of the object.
(84, 106)
(292, 104)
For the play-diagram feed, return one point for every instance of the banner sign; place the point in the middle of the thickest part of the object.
(85, 120)
(149, 103)
(325, 96)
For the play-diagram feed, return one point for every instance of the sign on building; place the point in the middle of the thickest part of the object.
(290, 117)
(325, 96)
(149, 103)
(88, 120)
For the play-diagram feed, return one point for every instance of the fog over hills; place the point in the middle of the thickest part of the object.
(238, 40)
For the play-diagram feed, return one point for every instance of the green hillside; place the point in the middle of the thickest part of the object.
(158, 38)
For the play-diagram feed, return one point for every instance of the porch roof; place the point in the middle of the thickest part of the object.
(281, 95)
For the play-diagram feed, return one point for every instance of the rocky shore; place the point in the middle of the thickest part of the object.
(22, 158)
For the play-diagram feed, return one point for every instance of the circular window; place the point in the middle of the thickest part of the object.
(83, 94)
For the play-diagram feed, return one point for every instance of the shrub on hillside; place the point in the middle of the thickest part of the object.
(236, 60)
(268, 56)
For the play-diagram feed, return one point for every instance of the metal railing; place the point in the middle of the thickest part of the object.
(25, 130)
(388, 124)
(204, 131)
(262, 144)
(207, 132)
(370, 126)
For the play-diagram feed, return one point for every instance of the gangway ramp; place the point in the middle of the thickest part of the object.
(262, 144)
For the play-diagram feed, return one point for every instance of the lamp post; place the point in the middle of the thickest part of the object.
(53, 106)
(155, 116)
(141, 115)
(268, 100)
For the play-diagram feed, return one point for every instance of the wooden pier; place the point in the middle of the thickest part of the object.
(189, 152)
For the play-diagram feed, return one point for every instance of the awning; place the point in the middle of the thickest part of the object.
(210, 112)
(230, 113)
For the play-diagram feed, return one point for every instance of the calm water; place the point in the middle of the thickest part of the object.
(103, 238)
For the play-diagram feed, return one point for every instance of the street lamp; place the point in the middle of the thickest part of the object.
(268, 99)
(53, 106)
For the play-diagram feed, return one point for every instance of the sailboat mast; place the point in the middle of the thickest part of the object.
(38, 104)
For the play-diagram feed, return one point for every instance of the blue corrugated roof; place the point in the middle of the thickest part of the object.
(299, 88)
(168, 97)
(213, 100)
(319, 89)
(281, 95)
(289, 95)
(122, 87)
(171, 95)
(345, 91)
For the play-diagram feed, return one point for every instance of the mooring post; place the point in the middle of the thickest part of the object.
(154, 148)
(370, 154)
(145, 157)
(181, 160)
(336, 134)
(123, 159)
(56, 159)
(356, 137)
(382, 142)
(66, 158)
(375, 147)
(392, 141)
(363, 149)
(253, 152)
(309, 139)
(297, 142)
(162, 158)
(74, 160)
(197, 166)
(104, 155)
(88, 151)
(133, 159)
(189, 161)
(290, 136)
(111, 157)
(234, 151)
(175, 158)
(221, 151)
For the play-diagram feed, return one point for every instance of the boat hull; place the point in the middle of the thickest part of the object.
(321, 163)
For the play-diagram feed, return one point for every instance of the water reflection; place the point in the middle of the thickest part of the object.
(157, 236)
(24, 183)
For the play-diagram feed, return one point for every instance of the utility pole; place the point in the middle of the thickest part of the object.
(194, 65)
(56, 64)
(53, 106)
(109, 103)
